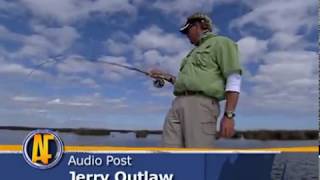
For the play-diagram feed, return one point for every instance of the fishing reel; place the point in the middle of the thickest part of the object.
(158, 83)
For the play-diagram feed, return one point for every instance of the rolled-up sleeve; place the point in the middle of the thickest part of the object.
(227, 56)
(233, 82)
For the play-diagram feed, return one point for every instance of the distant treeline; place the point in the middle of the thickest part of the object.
(87, 131)
(250, 134)
(278, 134)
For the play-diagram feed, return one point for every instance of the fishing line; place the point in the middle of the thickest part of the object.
(52, 59)
(158, 82)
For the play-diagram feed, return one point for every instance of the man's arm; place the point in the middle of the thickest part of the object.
(227, 124)
(231, 101)
(232, 96)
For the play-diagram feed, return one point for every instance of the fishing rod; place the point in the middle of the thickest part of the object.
(159, 79)
(158, 82)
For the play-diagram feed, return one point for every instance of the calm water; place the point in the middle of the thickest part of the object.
(129, 139)
(288, 166)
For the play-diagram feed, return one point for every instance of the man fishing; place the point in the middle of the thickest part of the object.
(209, 73)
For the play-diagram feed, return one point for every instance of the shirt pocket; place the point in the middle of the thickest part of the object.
(201, 58)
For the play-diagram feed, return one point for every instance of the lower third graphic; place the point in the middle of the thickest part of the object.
(42, 149)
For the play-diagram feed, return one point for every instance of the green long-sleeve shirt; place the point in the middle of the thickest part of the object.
(207, 66)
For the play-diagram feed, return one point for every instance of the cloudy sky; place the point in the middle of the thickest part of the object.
(277, 40)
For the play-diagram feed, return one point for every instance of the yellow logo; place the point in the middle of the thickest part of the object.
(42, 149)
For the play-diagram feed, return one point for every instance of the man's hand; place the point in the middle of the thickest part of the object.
(155, 73)
(227, 124)
(226, 127)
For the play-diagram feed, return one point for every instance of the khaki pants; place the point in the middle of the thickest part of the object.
(191, 122)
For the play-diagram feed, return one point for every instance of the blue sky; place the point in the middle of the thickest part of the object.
(277, 41)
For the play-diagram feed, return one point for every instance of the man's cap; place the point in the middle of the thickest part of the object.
(197, 17)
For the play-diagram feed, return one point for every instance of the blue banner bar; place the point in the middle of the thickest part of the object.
(150, 166)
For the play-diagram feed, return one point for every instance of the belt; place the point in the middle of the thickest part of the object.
(190, 93)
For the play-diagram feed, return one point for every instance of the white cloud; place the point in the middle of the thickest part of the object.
(151, 48)
(10, 8)
(114, 59)
(78, 65)
(18, 69)
(183, 8)
(119, 43)
(6, 34)
(251, 48)
(115, 100)
(48, 41)
(114, 73)
(41, 43)
(284, 40)
(170, 63)
(55, 101)
(38, 110)
(154, 48)
(33, 49)
(285, 82)
(155, 38)
(66, 11)
(90, 82)
(58, 101)
(79, 104)
(14, 68)
(27, 99)
(285, 79)
(280, 15)
(63, 36)
(117, 47)
(153, 57)
(74, 79)
(92, 102)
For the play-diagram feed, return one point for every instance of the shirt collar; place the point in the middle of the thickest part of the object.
(204, 36)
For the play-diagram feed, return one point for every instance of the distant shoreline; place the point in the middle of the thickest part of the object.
(248, 134)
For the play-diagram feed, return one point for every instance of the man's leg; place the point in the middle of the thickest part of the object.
(171, 134)
(200, 121)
